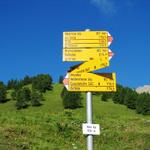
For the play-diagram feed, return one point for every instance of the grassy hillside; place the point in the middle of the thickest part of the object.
(50, 127)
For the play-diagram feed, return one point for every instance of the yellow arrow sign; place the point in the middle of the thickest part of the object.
(91, 65)
(90, 82)
(89, 39)
(85, 54)
(91, 47)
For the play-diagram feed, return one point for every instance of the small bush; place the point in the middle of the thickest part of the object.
(106, 96)
(130, 98)
(22, 99)
(14, 95)
(71, 100)
(143, 104)
(36, 98)
(61, 79)
(3, 93)
(22, 96)
(42, 82)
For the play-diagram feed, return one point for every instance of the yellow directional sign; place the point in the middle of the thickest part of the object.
(91, 65)
(90, 82)
(89, 39)
(85, 54)
(91, 47)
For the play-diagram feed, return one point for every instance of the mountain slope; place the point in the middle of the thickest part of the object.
(50, 127)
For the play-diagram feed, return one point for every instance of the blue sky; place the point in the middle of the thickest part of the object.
(31, 36)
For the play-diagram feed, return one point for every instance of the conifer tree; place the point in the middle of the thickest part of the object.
(42, 82)
(143, 104)
(71, 100)
(130, 98)
(3, 92)
(36, 98)
(22, 98)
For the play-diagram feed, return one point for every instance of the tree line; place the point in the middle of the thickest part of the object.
(32, 95)
(130, 98)
(26, 95)
(124, 95)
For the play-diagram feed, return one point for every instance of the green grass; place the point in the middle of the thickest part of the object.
(50, 127)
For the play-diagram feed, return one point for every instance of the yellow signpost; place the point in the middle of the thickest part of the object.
(90, 39)
(91, 82)
(91, 65)
(91, 47)
(85, 54)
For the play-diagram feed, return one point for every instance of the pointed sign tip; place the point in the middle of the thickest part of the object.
(110, 39)
(66, 81)
(110, 54)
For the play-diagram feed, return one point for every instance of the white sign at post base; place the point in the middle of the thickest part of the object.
(91, 129)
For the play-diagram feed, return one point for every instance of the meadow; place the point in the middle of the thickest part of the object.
(50, 127)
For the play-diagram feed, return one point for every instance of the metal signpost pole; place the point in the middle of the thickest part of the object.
(89, 119)
(89, 114)
(92, 44)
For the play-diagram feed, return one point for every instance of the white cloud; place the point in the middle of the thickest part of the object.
(106, 6)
